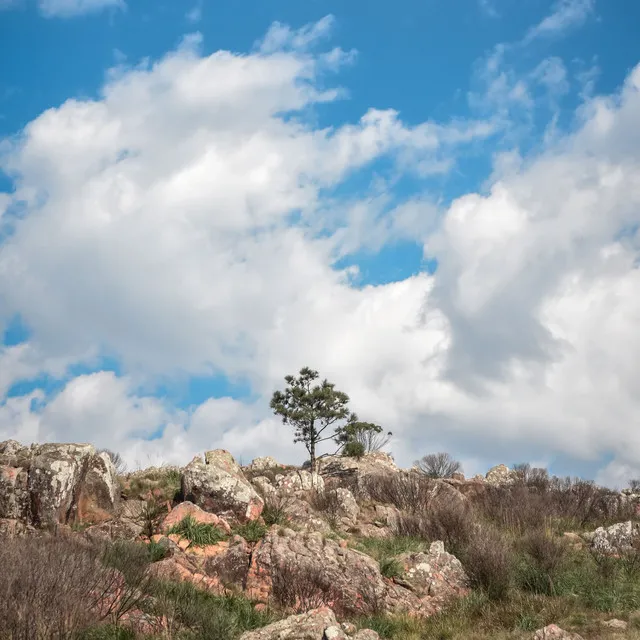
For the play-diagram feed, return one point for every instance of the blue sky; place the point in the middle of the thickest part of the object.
(148, 275)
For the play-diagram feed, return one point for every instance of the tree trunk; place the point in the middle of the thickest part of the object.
(312, 455)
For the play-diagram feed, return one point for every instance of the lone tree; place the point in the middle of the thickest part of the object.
(312, 408)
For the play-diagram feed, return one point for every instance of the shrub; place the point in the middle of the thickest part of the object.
(453, 523)
(198, 533)
(381, 548)
(157, 551)
(275, 509)
(176, 606)
(488, 560)
(160, 483)
(151, 516)
(57, 588)
(327, 503)
(251, 531)
(302, 588)
(438, 465)
(545, 555)
(391, 568)
(406, 491)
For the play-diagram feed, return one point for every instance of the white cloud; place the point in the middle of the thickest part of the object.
(72, 8)
(183, 224)
(566, 14)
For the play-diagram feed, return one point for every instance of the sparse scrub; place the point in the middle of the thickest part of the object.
(381, 548)
(159, 483)
(438, 465)
(302, 588)
(406, 491)
(275, 509)
(326, 503)
(198, 533)
(391, 568)
(544, 555)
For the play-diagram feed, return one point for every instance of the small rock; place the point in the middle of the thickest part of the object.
(554, 632)
(366, 634)
(334, 633)
(617, 625)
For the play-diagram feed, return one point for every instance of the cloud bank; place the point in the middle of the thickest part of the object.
(190, 221)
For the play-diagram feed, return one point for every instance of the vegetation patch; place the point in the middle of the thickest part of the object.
(198, 533)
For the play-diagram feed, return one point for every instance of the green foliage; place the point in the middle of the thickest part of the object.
(157, 551)
(391, 568)
(368, 435)
(107, 632)
(206, 616)
(311, 409)
(353, 449)
(198, 533)
(381, 548)
(251, 531)
(274, 513)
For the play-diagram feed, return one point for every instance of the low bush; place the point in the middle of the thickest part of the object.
(391, 568)
(438, 465)
(409, 492)
(198, 533)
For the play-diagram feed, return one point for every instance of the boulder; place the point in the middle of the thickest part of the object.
(500, 475)
(217, 484)
(554, 632)
(305, 626)
(188, 509)
(50, 484)
(263, 463)
(615, 625)
(436, 573)
(347, 507)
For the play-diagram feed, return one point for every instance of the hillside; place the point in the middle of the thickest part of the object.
(360, 550)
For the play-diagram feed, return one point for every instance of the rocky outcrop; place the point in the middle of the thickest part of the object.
(437, 574)
(217, 484)
(348, 468)
(263, 463)
(49, 484)
(300, 480)
(188, 509)
(617, 538)
(286, 561)
(317, 624)
(500, 475)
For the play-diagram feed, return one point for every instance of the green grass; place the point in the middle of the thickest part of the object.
(198, 533)
(251, 531)
(157, 551)
(163, 483)
(382, 548)
(205, 615)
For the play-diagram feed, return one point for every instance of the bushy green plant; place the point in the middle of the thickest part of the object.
(390, 568)
(157, 551)
(198, 533)
(353, 449)
(251, 531)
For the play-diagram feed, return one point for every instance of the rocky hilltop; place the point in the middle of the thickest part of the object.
(359, 549)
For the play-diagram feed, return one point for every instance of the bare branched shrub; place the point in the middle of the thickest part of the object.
(302, 588)
(532, 477)
(406, 491)
(54, 587)
(438, 465)
(326, 503)
(453, 523)
(489, 561)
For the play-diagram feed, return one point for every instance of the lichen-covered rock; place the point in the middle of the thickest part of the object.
(500, 475)
(347, 579)
(554, 632)
(436, 573)
(263, 463)
(49, 484)
(346, 467)
(614, 539)
(300, 480)
(348, 509)
(217, 484)
(305, 626)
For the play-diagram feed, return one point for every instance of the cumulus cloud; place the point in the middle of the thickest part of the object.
(72, 8)
(189, 220)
